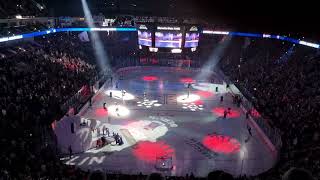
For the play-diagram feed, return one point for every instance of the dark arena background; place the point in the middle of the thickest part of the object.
(119, 92)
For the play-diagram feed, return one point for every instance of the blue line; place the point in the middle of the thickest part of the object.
(126, 29)
(132, 29)
(245, 34)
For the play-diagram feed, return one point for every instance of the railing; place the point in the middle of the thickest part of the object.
(75, 103)
(271, 132)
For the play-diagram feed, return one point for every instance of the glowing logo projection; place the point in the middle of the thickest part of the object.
(193, 107)
(118, 111)
(187, 80)
(205, 94)
(188, 98)
(118, 94)
(164, 119)
(150, 78)
(144, 130)
(219, 111)
(149, 103)
(221, 144)
(150, 151)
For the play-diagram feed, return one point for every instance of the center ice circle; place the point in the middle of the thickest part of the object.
(188, 98)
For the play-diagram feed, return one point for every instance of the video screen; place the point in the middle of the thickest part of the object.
(144, 38)
(192, 39)
(168, 39)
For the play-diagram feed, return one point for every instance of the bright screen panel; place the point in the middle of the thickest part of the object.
(168, 39)
(144, 38)
(192, 39)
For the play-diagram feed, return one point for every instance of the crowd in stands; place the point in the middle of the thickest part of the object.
(37, 77)
(284, 88)
(6, 31)
(11, 8)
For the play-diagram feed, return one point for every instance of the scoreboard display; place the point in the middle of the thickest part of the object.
(191, 39)
(162, 36)
(145, 38)
(168, 39)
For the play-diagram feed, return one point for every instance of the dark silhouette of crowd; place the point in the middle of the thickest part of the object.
(10, 9)
(36, 78)
(7, 31)
(281, 80)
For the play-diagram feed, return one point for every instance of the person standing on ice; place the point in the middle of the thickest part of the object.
(98, 131)
(107, 132)
(123, 93)
(189, 86)
(70, 151)
(250, 133)
(103, 129)
(225, 112)
(249, 130)
(229, 110)
(120, 140)
(117, 109)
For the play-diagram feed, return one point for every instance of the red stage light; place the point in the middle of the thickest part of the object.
(205, 94)
(150, 151)
(150, 78)
(221, 144)
(218, 111)
(101, 112)
(199, 102)
(187, 80)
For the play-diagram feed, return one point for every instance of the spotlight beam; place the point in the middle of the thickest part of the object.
(214, 59)
(100, 54)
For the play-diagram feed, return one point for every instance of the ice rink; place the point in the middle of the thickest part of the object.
(169, 128)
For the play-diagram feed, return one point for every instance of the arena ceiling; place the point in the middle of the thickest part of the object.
(269, 16)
